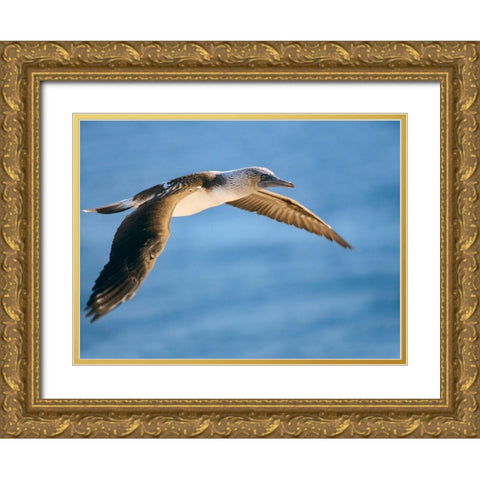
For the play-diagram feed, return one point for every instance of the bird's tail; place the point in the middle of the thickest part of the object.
(115, 207)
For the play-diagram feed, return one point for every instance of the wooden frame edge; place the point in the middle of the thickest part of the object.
(23, 414)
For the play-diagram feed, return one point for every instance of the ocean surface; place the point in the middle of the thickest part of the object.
(233, 284)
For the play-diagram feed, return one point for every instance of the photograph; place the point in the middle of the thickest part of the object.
(299, 260)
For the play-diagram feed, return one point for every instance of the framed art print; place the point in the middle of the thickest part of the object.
(239, 239)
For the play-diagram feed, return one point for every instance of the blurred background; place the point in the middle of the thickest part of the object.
(233, 284)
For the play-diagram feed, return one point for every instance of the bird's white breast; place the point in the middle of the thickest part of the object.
(203, 199)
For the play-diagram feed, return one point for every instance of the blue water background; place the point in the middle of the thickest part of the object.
(233, 284)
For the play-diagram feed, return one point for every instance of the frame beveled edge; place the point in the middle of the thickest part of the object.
(24, 414)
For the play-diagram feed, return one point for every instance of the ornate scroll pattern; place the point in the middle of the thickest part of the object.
(466, 157)
(238, 60)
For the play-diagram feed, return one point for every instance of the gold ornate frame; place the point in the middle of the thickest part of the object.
(24, 65)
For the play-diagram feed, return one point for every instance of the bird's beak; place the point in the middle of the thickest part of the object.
(275, 182)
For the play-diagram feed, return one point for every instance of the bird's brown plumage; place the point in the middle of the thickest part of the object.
(286, 210)
(139, 240)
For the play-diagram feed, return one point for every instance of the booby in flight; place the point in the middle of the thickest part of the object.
(143, 234)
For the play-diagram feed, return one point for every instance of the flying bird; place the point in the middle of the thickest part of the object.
(143, 234)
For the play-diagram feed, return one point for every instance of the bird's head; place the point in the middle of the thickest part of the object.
(260, 177)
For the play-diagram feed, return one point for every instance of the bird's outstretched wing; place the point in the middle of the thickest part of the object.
(139, 240)
(286, 210)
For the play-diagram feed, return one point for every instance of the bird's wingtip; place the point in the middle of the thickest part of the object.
(90, 312)
(95, 317)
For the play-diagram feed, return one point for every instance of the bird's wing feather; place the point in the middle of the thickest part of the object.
(139, 240)
(157, 191)
(286, 210)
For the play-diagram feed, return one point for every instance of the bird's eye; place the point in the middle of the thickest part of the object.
(263, 177)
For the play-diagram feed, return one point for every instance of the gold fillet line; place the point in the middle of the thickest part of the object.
(239, 116)
(76, 239)
(403, 237)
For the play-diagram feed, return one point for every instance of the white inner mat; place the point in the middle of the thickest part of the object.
(419, 379)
